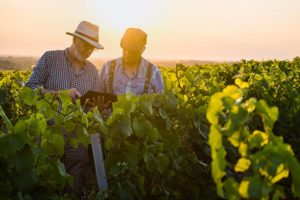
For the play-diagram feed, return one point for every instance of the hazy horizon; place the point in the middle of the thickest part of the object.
(112, 57)
(217, 30)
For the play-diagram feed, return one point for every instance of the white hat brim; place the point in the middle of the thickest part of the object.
(95, 44)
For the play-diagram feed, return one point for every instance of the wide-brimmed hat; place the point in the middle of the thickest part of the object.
(133, 39)
(88, 32)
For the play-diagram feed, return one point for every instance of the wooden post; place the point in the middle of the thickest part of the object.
(99, 162)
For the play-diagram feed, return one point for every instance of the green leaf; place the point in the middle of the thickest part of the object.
(231, 188)
(218, 153)
(234, 139)
(141, 183)
(83, 136)
(5, 119)
(23, 160)
(127, 102)
(251, 104)
(149, 161)
(146, 105)
(61, 169)
(281, 172)
(162, 163)
(295, 171)
(269, 115)
(215, 106)
(139, 126)
(238, 117)
(58, 142)
(241, 83)
(258, 139)
(166, 117)
(54, 144)
(243, 149)
(45, 108)
(36, 124)
(131, 154)
(228, 102)
(233, 92)
(125, 126)
(28, 95)
(64, 98)
(127, 191)
(99, 119)
(24, 181)
(171, 101)
(242, 165)
(244, 188)
(144, 129)
(84, 119)
(115, 115)
(10, 143)
(259, 188)
(190, 77)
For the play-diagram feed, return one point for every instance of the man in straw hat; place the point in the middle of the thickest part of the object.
(68, 70)
(131, 72)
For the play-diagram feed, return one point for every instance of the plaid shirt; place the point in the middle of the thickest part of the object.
(122, 84)
(54, 71)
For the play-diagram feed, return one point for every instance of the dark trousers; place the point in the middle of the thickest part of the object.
(79, 165)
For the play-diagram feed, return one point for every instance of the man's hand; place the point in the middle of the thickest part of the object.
(99, 102)
(73, 93)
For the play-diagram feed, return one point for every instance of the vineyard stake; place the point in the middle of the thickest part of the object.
(99, 162)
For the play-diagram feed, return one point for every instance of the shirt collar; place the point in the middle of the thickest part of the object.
(138, 70)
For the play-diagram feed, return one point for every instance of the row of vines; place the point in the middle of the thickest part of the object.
(218, 131)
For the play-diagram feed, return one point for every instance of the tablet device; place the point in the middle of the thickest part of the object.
(105, 97)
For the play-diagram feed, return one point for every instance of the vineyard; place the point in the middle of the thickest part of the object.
(219, 131)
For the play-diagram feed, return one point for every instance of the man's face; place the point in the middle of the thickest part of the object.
(132, 57)
(83, 49)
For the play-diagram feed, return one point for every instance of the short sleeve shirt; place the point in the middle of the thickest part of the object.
(54, 71)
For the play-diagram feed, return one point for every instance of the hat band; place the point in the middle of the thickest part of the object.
(84, 35)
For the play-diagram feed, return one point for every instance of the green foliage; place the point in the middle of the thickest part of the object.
(264, 159)
(159, 146)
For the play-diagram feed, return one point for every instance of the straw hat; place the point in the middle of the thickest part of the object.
(88, 32)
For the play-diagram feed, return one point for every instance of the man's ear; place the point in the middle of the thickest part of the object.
(143, 49)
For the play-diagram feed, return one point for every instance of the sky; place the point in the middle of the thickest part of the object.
(177, 29)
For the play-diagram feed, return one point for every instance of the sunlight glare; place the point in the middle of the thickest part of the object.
(130, 13)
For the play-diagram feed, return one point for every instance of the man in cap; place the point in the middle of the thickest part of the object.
(70, 71)
(131, 72)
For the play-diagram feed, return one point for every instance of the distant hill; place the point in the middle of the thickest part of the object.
(16, 63)
(27, 63)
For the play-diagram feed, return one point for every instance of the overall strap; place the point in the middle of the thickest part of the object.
(111, 76)
(148, 77)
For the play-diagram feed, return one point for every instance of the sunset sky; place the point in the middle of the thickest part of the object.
(177, 29)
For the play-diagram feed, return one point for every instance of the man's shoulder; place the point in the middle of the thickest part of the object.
(51, 56)
(147, 63)
(54, 52)
(108, 64)
(91, 66)
(115, 60)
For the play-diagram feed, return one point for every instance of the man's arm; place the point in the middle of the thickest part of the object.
(103, 76)
(96, 82)
(157, 82)
(73, 92)
(39, 73)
